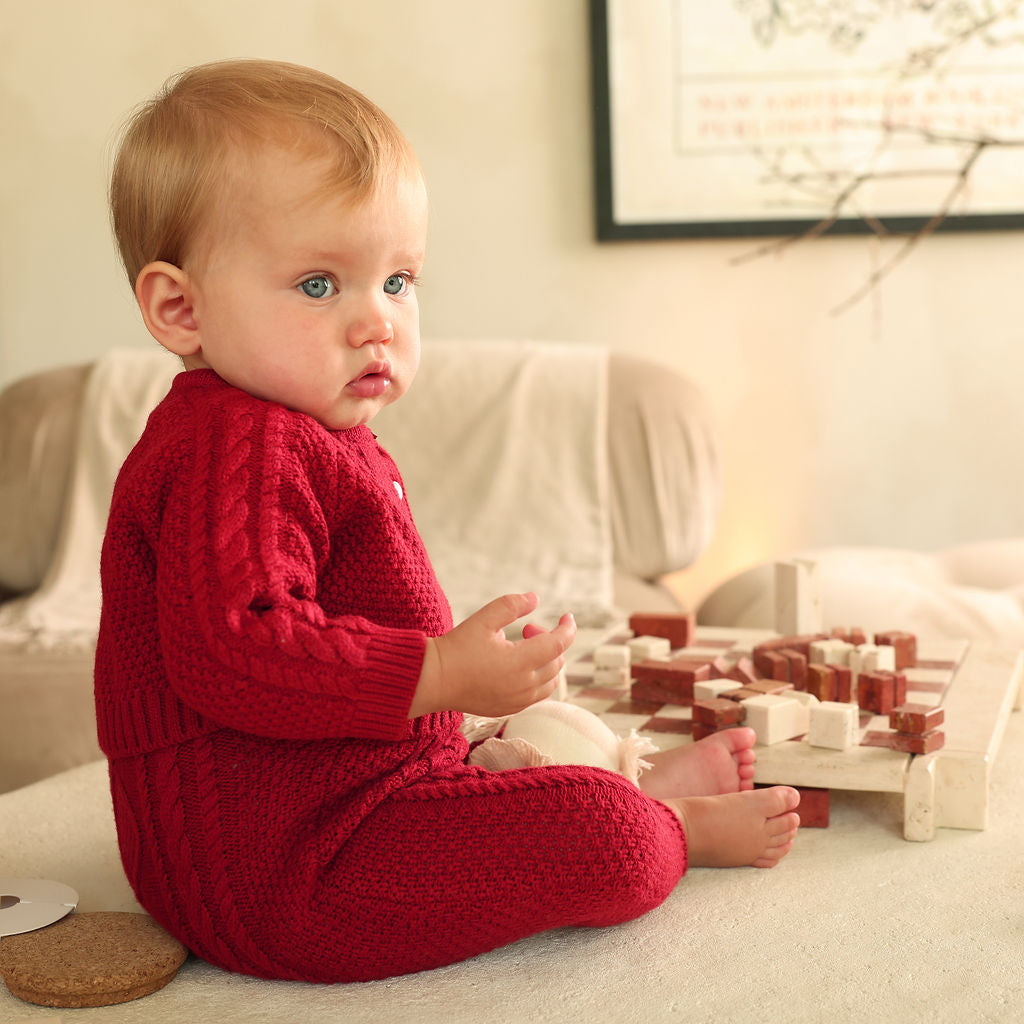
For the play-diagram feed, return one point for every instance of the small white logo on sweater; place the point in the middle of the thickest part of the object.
(398, 489)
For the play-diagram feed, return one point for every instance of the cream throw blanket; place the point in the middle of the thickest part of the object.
(503, 450)
(63, 613)
(501, 445)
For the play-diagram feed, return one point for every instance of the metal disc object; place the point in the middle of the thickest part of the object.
(30, 903)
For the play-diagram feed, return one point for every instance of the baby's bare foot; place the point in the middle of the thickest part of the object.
(720, 763)
(755, 827)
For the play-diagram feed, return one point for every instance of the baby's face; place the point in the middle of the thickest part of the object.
(309, 300)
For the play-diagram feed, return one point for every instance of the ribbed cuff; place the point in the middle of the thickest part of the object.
(394, 660)
(140, 721)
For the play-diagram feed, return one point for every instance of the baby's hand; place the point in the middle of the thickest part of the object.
(477, 670)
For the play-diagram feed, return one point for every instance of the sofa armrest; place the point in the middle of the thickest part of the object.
(38, 415)
(663, 459)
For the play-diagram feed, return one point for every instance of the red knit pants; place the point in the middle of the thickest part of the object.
(268, 879)
(447, 869)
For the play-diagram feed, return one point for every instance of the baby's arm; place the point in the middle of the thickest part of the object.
(477, 670)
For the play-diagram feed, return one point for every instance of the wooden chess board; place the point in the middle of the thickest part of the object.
(977, 688)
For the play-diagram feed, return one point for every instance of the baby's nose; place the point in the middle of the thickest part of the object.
(370, 326)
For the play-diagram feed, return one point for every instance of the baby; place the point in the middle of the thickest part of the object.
(279, 686)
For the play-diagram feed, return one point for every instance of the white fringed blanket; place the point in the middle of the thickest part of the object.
(120, 393)
(501, 445)
(503, 450)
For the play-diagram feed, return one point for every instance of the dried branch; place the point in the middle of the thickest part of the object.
(912, 241)
(925, 59)
(841, 192)
(842, 202)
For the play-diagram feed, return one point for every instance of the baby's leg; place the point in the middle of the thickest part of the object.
(449, 867)
(755, 827)
(721, 763)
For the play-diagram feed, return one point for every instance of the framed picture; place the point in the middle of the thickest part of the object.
(784, 117)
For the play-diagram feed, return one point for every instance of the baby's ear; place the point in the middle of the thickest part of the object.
(164, 294)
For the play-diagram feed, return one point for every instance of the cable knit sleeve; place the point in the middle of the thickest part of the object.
(244, 567)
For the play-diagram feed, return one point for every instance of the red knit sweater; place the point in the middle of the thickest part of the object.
(266, 599)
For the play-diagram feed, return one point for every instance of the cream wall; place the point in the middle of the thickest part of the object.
(894, 424)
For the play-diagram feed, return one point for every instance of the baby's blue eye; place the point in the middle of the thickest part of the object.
(395, 284)
(317, 287)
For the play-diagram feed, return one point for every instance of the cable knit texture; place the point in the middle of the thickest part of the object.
(266, 603)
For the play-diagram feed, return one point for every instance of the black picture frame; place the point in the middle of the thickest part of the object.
(612, 226)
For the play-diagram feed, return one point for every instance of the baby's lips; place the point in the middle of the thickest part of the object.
(374, 380)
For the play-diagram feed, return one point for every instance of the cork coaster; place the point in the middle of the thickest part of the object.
(92, 959)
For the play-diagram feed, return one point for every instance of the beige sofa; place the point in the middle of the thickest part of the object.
(973, 591)
(856, 924)
(580, 474)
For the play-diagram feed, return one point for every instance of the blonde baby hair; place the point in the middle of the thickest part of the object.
(178, 150)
